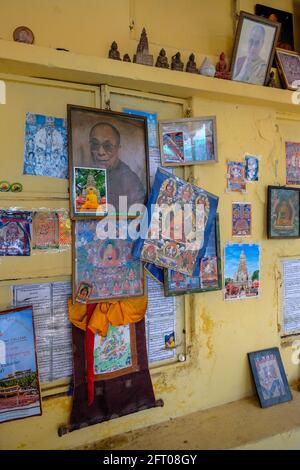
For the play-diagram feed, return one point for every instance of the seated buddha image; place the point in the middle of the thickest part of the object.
(283, 214)
(167, 192)
(90, 198)
(110, 254)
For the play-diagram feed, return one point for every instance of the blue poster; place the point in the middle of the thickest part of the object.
(151, 124)
(46, 152)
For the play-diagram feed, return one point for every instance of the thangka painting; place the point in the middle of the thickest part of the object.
(104, 264)
(241, 219)
(210, 277)
(269, 377)
(241, 271)
(45, 230)
(236, 176)
(176, 227)
(283, 212)
(116, 353)
(46, 151)
(292, 152)
(15, 227)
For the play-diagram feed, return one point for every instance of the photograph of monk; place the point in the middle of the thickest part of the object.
(114, 142)
(254, 48)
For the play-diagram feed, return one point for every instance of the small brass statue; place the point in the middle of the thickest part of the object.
(113, 52)
(222, 69)
(162, 60)
(191, 66)
(176, 62)
(126, 58)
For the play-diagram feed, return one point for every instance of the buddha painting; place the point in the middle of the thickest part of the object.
(283, 214)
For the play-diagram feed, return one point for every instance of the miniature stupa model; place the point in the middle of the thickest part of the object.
(142, 55)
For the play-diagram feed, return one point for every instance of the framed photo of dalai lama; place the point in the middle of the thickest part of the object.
(108, 156)
(253, 53)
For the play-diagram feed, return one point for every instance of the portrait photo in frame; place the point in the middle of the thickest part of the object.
(111, 141)
(283, 212)
(288, 64)
(189, 141)
(269, 377)
(254, 48)
(210, 276)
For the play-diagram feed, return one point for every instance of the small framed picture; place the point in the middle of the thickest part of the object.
(108, 159)
(254, 48)
(288, 64)
(292, 161)
(283, 212)
(188, 141)
(269, 377)
(285, 18)
(90, 191)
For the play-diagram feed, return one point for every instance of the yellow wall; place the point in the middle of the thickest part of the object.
(217, 371)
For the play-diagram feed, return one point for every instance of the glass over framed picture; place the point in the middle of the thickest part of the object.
(108, 155)
(283, 212)
(19, 379)
(176, 226)
(254, 48)
(288, 64)
(103, 267)
(188, 141)
(210, 277)
(269, 377)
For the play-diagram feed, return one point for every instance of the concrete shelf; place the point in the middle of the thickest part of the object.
(41, 62)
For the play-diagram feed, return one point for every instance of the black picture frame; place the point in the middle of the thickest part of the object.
(269, 377)
(283, 212)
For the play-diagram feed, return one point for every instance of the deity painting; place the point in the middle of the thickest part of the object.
(106, 265)
(283, 212)
(241, 219)
(91, 191)
(269, 377)
(209, 278)
(236, 176)
(177, 224)
(15, 227)
(45, 230)
(115, 353)
(188, 141)
(241, 271)
(252, 167)
(292, 152)
(46, 152)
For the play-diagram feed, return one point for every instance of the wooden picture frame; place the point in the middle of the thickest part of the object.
(283, 209)
(213, 250)
(190, 141)
(120, 276)
(269, 377)
(288, 64)
(18, 399)
(110, 142)
(254, 49)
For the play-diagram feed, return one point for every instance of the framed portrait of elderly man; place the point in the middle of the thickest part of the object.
(108, 156)
(254, 48)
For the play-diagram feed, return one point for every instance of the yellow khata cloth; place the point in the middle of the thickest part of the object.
(116, 312)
